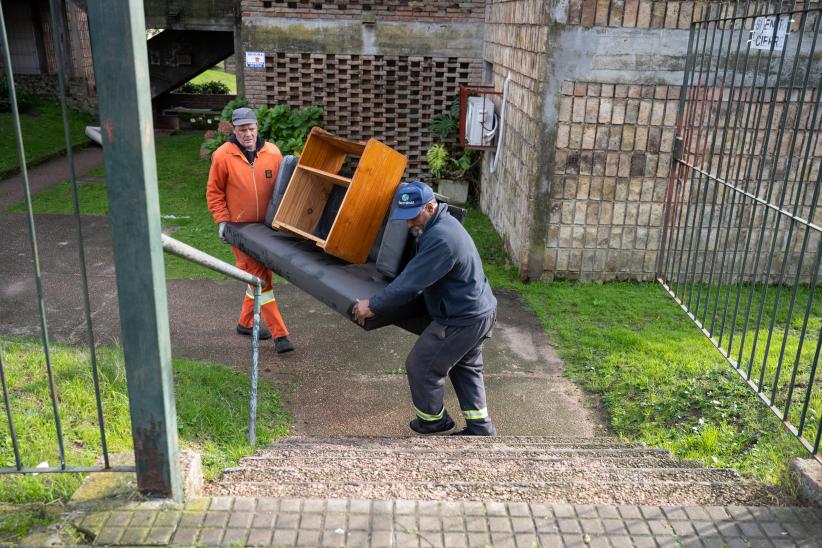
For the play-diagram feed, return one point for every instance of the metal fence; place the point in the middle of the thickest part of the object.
(742, 241)
(44, 335)
(134, 216)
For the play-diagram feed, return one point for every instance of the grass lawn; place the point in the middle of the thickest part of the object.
(212, 418)
(182, 177)
(661, 381)
(43, 136)
(220, 76)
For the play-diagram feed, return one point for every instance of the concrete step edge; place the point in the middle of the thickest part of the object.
(574, 492)
(654, 460)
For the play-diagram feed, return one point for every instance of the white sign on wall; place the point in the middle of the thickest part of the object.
(765, 31)
(255, 59)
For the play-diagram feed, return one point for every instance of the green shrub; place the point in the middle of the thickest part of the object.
(25, 99)
(282, 125)
(206, 88)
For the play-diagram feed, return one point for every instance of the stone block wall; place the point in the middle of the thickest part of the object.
(614, 146)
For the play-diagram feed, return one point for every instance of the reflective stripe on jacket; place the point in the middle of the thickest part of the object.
(237, 191)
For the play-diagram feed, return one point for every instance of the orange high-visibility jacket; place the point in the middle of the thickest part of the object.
(238, 192)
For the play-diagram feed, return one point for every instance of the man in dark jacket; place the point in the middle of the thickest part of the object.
(448, 272)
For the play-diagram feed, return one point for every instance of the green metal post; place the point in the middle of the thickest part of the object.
(121, 71)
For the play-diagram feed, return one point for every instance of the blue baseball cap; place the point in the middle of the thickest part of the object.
(410, 199)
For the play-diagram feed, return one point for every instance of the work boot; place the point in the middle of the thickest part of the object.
(264, 332)
(477, 429)
(283, 345)
(432, 427)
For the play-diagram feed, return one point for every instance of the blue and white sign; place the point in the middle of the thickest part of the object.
(255, 59)
(765, 33)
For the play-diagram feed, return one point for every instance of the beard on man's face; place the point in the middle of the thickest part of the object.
(416, 231)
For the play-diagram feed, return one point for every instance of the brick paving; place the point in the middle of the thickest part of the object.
(245, 521)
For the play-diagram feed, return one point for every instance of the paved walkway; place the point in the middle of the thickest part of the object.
(341, 380)
(48, 174)
(227, 521)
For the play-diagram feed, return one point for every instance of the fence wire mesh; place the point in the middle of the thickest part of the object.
(741, 246)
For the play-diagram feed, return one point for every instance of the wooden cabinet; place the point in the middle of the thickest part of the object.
(367, 197)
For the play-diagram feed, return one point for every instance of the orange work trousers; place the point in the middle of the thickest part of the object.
(269, 310)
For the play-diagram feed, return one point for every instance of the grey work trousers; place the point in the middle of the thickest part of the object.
(454, 352)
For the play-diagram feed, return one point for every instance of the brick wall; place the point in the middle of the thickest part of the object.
(430, 11)
(516, 43)
(390, 98)
(633, 13)
(379, 69)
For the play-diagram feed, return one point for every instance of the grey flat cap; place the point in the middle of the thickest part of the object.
(243, 116)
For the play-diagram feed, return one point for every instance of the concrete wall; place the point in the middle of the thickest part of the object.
(190, 14)
(380, 69)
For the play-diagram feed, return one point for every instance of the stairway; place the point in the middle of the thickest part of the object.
(176, 56)
(525, 469)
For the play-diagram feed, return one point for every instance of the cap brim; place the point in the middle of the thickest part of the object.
(244, 122)
(405, 213)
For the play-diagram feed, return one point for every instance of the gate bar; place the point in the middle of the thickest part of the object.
(710, 149)
(687, 149)
(194, 255)
(812, 287)
(728, 168)
(32, 235)
(772, 177)
(725, 126)
(760, 103)
(7, 404)
(56, 30)
(760, 170)
(789, 163)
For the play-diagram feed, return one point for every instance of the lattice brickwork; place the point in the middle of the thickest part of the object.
(391, 98)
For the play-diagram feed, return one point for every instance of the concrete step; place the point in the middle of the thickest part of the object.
(436, 442)
(463, 452)
(573, 492)
(565, 461)
(477, 471)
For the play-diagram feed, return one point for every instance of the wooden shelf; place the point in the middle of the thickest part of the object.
(336, 179)
(367, 197)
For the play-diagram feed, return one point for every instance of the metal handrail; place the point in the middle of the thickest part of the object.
(194, 255)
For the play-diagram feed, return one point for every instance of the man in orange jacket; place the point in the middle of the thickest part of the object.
(240, 184)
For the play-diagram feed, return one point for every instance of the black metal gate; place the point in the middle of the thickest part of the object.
(742, 241)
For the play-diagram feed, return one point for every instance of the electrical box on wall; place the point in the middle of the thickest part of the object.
(478, 124)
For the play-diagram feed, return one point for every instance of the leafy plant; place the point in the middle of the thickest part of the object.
(442, 125)
(282, 125)
(445, 166)
(437, 157)
(212, 87)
